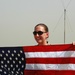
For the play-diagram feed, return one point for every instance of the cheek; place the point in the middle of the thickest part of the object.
(44, 36)
(35, 37)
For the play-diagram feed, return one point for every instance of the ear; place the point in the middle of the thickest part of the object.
(47, 34)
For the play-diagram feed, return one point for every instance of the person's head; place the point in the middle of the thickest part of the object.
(41, 33)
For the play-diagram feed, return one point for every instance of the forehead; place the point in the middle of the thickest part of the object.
(39, 28)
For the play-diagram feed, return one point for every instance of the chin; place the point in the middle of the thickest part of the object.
(39, 41)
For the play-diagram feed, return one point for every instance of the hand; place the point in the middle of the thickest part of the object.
(73, 43)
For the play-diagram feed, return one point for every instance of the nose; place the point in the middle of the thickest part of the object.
(37, 35)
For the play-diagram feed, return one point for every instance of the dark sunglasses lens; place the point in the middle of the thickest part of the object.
(40, 33)
(34, 32)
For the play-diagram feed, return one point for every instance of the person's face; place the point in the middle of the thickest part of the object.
(41, 38)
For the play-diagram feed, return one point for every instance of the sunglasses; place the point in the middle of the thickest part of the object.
(39, 32)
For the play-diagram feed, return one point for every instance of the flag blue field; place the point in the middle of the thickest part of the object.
(12, 61)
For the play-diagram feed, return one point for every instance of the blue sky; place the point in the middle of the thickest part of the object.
(18, 18)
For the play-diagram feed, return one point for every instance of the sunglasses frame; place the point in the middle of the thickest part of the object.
(38, 32)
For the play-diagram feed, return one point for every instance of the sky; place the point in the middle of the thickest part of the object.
(19, 17)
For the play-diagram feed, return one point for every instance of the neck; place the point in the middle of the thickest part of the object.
(44, 43)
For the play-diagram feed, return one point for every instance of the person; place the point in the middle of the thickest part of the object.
(41, 34)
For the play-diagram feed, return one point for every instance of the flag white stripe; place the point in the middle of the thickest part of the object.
(50, 54)
(50, 66)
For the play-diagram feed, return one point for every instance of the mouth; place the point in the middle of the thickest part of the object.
(38, 40)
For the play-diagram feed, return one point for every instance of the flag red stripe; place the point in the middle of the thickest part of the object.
(47, 48)
(50, 60)
(49, 72)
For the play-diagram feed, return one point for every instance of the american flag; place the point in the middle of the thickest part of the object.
(12, 61)
(50, 60)
(40, 60)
